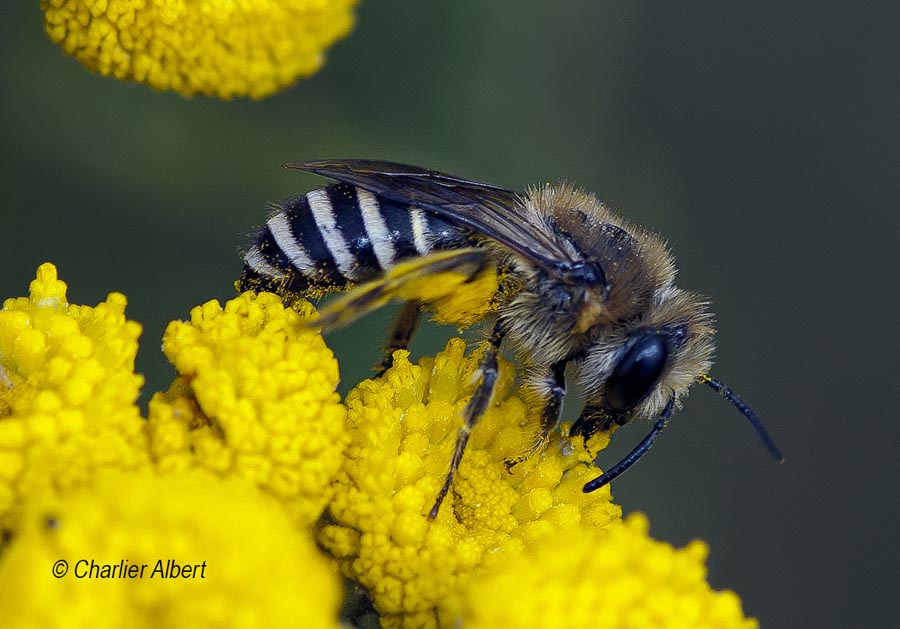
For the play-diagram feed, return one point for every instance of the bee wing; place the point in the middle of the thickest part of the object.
(489, 210)
(426, 278)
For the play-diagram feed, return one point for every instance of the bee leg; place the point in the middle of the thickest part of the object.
(640, 450)
(404, 329)
(554, 382)
(476, 407)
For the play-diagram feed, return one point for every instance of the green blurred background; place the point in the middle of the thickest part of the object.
(762, 140)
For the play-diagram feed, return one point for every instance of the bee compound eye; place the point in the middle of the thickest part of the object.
(637, 372)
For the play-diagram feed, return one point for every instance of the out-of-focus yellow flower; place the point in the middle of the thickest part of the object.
(240, 561)
(621, 580)
(256, 399)
(225, 48)
(403, 428)
(67, 393)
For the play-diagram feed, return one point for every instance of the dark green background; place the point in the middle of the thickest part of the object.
(762, 140)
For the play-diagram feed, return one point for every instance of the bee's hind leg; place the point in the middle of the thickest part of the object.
(405, 326)
(551, 383)
(476, 407)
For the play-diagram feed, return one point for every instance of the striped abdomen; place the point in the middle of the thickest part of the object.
(332, 237)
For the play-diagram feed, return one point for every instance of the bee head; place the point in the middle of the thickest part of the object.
(643, 370)
(635, 368)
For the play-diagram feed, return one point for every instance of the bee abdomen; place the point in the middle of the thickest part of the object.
(333, 237)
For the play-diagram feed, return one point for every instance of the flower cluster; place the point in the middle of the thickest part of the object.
(238, 453)
(403, 428)
(68, 393)
(623, 579)
(225, 48)
(250, 453)
(255, 399)
(177, 534)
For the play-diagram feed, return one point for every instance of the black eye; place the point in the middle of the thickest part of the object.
(637, 373)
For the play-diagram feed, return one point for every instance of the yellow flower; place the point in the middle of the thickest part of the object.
(67, 393)
(225, 48)
(195, 551)
(256, 399)
(620, 580)
(251, 443)
(403, 429)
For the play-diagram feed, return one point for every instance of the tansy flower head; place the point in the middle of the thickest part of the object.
(403, 429)
(67, 392)
(618, 579)
(256, 399)
(252, 425)
(224, 48)
(180, 550)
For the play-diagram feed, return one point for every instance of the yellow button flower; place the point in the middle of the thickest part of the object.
(181, 550)
(224, 48)
(619, 580)
(256, 399)
(251, 441)
(403, 428)
(67, 393)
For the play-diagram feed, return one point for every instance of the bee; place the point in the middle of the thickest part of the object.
(579, 288)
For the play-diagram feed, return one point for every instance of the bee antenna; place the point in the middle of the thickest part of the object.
(747, 412)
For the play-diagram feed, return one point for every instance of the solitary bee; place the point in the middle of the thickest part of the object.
(578, 286)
